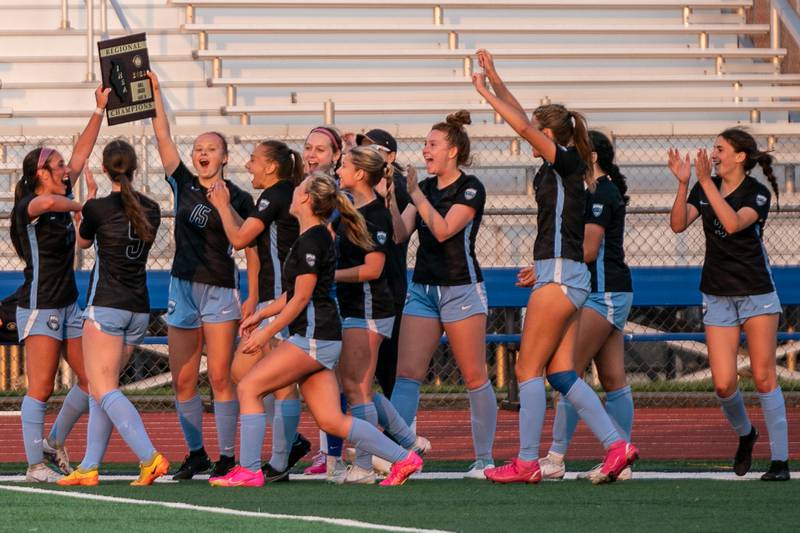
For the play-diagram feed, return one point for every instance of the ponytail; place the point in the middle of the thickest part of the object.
(569, 128)
(355, 227)
(580, 139)
(119, 160)
(26, 186)
(604, 150)
(372, 163)
(764, 160)
(290, 162)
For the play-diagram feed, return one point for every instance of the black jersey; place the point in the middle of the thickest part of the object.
(119, 277)
(606, 208)
(453, 261)
(396, 268)
(202, 251)
(370, 299)
(48, 248)
(561, 200)
(737, 264)
(314, 253)
(280, 232)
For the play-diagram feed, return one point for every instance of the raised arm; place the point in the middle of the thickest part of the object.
(732, 221)
(88, 138)
(441, 227)
(682, 214)
(486, 62)
(170, 158)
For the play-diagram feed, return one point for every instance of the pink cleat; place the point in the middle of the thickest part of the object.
(319, 465)
(620, 455)
(402, 470)
(239, 477)
(515, 471)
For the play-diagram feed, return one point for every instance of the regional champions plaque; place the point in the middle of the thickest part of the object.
(124, 64)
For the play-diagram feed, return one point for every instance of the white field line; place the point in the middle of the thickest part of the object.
(221, 510)
(638, 475)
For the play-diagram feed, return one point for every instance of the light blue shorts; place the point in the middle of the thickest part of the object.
(325, 352)
(132, 327)
(735, 310)
(574, 278)
(191, 304)
(381, 326)
(282, 334)
(61, 324)
(613, 306)
(447, 303)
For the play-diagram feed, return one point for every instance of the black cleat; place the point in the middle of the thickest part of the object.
(195, 463)
(223, 466)
(744, 453)
(778, 471)
(274, 476)
(300, 447)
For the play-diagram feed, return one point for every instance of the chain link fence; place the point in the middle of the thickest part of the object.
(662, 373)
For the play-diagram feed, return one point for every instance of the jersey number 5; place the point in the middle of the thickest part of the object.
(134, 250)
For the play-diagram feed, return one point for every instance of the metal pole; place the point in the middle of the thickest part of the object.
(104, 17)
(90, 41)
(774, 26)
(64, 15)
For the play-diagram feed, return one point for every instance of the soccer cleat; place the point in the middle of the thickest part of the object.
(300, 447)
(381, 466)
(318, 464)
(197, 462)
(41, 473)
(515, 471)
(334, 467)
(78, 477)
(239, 477)
(620, 455)
(596, 471)
(744, 453)
(149, 472)
(477, 469)
(57, 455)
(272, 475)
(421, 446)
(778, 471)
(402, 470)
(355, 475)
(552, 466)
(223, 466)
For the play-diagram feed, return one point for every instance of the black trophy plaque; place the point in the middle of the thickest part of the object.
(124, 64)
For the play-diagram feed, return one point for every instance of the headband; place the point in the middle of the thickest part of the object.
(44, 155)
(328, 134)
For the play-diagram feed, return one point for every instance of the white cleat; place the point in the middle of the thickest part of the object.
(57, 455)
(552, 466)
(41, 473)
(334, 468)
(476, 469)
(596, 473)
(355, 475)
(421, 446)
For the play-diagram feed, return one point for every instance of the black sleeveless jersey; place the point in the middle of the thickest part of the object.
(606, 208)
(119, 276)
(735, 264)
(280, 232)
(314, 253)
(370, 299)
(202, 251)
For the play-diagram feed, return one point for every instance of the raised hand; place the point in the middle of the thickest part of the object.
(101, 96)
(219, 195)
(702, 166)
(411, 179)
(91, 184)
(153, 80)
(486, 61)
(479, 82)
(681, 167)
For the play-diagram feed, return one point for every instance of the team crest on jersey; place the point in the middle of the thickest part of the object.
(597, 209)
(53, 322)
(381, 237)
(263, 204)
(311, 259)
(761, 200)
(470, 193)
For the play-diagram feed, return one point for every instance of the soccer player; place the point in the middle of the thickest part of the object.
(48, 317)
(561, 281)
(366, 304)
(736, 283)
(447, 289)
(203, 305)
(276, 169)
(312, 350)
(122, 227)
(603, 316)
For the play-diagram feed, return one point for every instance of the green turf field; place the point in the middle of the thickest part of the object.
(454, 505)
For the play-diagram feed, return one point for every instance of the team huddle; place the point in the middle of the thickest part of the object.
(329, 308)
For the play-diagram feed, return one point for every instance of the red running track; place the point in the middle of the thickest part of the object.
(660, 433)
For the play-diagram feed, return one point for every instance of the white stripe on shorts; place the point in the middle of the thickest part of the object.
(31, 321)
(607, 296)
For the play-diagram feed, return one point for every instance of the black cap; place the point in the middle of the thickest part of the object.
(379, 137)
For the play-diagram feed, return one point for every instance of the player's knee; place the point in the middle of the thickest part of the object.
(725, 390)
